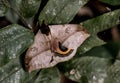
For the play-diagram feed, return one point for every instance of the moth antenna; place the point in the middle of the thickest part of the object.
(16, 11)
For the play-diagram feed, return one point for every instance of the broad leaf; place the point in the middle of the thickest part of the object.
(11, 14)
(60, 11)
(25, 8)
(112, 2)
(97, 24)
(113, 73)
(14, 40)
(50, 75)
(95, 65)
(3, 9)
(29, 8)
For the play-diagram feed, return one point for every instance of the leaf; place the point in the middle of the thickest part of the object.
(16, 75)
(14, 40)
(11, 14)
(112, 2)
(96, 25)
(102, 22)
(25, 8)
(29, 8)
(113, 73)
(60, 11)
(50, 75)
(93, 69)
(3, 9)
(94, 66)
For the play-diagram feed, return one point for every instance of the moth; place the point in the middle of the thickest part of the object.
(59, 47)
(52, 44)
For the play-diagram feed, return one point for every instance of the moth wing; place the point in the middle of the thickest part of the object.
(48, 59)
(39, 45)
(62, 32)
(71, 36)
(72, 42)
(42, 60)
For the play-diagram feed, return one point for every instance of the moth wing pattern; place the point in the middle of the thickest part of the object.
(39, 45)
(71, 36)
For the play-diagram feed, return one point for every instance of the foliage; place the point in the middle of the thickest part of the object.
(94, 62)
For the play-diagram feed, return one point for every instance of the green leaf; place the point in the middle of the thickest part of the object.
(112, 2)
(60, 11)
(91, 42)
(102, 22)
(96, 25)
(29, 8)
(50, 75)
(13, 73)
(3, 9)
(94, 66)
(113, 73)
(14, 40)
(25, 8)
(11, 14)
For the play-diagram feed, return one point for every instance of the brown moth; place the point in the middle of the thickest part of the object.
(60, 47)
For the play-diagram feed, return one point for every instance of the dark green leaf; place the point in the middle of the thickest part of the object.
(3, 9)
(11, 5)
(112, 2)
(13, 73)
(102, 22)
(60, 11)
(25, 8)
(50, 75)
(29, 8)
(96, 25)
(95, 65)
(113, 73)
(14, 40)
(93, 68)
